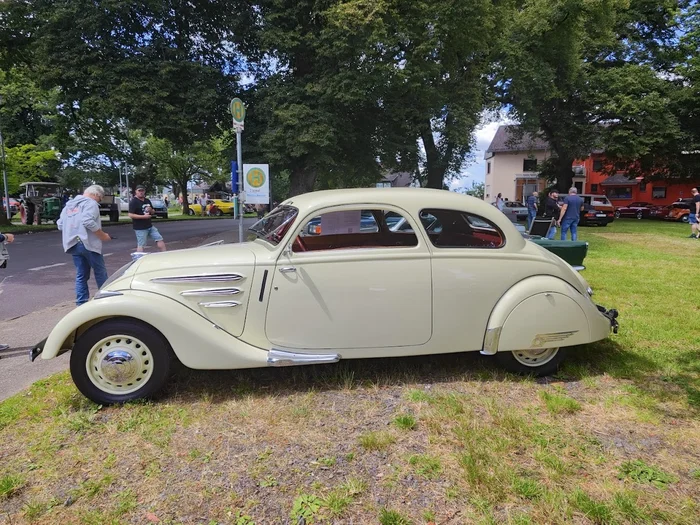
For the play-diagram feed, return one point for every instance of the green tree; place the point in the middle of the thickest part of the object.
(477, 190)
(585, 74)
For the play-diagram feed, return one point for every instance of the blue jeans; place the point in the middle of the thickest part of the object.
(569, 224)
(531, 214)
(84, 260)
(551, 233)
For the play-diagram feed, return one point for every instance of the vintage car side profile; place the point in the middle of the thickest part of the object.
(289, 298)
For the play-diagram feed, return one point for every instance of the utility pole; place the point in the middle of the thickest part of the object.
(238, 114)
(4, 174)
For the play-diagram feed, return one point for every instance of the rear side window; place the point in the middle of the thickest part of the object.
(458, 229)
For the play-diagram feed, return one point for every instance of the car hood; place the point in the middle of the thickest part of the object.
(213, 281)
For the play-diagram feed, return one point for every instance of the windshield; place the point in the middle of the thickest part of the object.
(274, 225)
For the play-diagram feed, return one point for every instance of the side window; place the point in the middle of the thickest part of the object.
(352, 229)
(457, 229)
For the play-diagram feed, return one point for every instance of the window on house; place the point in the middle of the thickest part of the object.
(658, 192)
(384, 184)
(594, 187)
(488, 167)
(354, 229)
(597, 165)
(620, 193)
(643, 186)
(529, 164)
(457, 229)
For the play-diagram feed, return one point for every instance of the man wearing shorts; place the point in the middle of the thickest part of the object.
(694, 217)
(141, 211)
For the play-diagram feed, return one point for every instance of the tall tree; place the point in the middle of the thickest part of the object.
(585, 74)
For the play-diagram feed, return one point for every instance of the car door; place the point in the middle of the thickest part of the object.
(348, 287)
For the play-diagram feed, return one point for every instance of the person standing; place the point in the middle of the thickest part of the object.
(551, 210)
(531, 208)
(82, 237)
(570, 214)
(8, 238)
(141, 213)
(499, 202)
(694, 217)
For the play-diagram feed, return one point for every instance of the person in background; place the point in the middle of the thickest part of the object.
(694, 217)
(532, 208)
(551, 210)
(141, 211)
(570, 214)
(7, 237)
(499, 202)
(82, 238)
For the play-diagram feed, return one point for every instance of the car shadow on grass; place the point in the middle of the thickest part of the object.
(598, 359)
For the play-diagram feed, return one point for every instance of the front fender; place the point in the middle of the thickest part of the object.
(540, 312)
(197, 342)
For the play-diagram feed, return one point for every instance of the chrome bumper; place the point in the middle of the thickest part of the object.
(612, 315)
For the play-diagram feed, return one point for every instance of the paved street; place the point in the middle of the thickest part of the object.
(37, 288)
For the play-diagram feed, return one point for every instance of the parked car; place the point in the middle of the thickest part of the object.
(515, 211)
(680, 211)
(220, 207)
(159, 207)
(286, 299)
(14, 206)
(123, 205)
(639, 210)
(659, 212)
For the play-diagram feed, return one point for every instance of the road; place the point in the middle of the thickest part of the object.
(38, 288)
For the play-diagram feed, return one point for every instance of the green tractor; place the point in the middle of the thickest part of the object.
(40, 201)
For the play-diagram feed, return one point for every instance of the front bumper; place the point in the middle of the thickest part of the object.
(612, 315)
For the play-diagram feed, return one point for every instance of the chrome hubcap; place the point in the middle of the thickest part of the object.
(119, 364)
(534, 358)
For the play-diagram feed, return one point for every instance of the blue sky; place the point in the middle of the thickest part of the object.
(476, 170)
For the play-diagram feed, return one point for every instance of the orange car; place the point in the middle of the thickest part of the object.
(679, 211)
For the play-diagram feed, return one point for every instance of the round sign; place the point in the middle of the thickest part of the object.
(238, 110)
(255, 177)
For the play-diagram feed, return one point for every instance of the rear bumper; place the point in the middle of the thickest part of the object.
(612, 315)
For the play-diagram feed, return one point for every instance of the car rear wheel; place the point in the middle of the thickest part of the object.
(119, 360)
(538, 362)
(640, 215)
(685, 218)
(617, 214)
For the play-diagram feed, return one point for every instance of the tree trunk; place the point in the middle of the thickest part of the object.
(564, 174)
(302, 180)
(435, 164)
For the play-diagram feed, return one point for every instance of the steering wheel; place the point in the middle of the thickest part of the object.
(298, 245)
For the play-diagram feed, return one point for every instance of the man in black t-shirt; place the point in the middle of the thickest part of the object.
(141, 211)
(694, 217)
(551, 209)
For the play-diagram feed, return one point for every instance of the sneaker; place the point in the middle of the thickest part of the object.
(691, 236)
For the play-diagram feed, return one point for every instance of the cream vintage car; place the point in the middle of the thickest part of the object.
(290, 298)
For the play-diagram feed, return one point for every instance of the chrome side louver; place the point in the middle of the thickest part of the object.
(204, 292)
(210, 278)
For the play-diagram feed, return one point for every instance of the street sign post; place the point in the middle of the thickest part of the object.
(238, 114)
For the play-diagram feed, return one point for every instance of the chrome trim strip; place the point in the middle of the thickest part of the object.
(215, 243)
(106, 293)
(493, 336)
(282, 358)
(210, 278)
(220, 304)
(211, 291)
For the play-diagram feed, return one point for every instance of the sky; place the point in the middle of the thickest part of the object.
(476, 170)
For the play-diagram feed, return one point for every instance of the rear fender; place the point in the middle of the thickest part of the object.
(538, 312)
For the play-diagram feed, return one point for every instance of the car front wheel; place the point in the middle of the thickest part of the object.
(538, 362)
(119, 360)
(640, 215)
(617, 214)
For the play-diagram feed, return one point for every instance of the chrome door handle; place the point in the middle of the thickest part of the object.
(288, 269)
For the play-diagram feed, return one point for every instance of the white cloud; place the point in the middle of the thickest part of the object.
(475, 171)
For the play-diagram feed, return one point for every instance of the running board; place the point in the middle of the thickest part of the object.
(282, 358)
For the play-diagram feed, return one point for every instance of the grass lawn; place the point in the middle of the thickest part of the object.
(614, 438)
